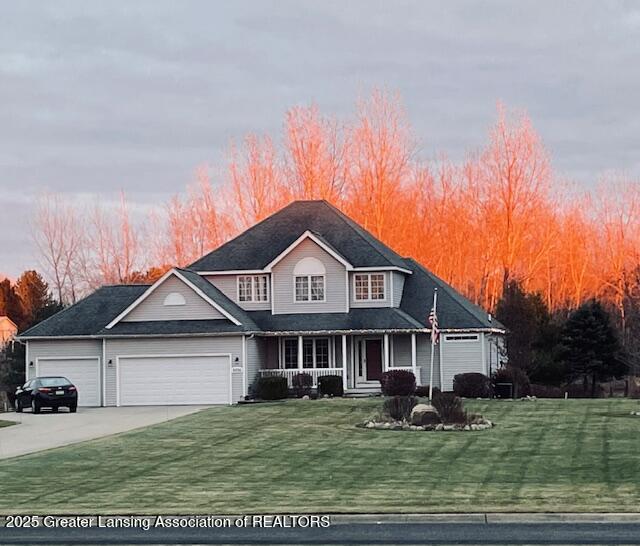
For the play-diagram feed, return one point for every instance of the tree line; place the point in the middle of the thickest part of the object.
(26, 302)
(500, 214)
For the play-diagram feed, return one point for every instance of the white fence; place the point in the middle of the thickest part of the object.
(291, 372)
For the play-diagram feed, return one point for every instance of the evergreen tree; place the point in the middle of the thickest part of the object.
(34, 294)
(590, 346)
(525, 316)
(11, 304)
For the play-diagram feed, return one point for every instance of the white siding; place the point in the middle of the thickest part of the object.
(401, 350)
(423, 352)
(256, 358)
(164, 346)
(228, 285)
(153, 307)
(460, 357)
(335, 282)
(398, 285)
(61, 348)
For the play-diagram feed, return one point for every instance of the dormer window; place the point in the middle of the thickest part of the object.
(252, 288)
(309, 281)
(174, 299)
(369, 286)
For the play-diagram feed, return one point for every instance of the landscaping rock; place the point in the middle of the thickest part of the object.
(424, 414)
(370, 424)
(306, 397)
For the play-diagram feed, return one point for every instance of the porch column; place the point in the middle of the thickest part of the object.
(344, 362)
(386, 353)
(414, 359)
(300, 353)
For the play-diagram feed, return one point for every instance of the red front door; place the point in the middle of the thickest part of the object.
(374, 359)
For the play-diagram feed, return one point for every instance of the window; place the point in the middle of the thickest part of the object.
(369, 286)
(315, 353)
(309, 274)
(252, 288)
(290, 353)
(174, 298)
(307, 353)
(322, 353)
(302, 288)
(462, 337)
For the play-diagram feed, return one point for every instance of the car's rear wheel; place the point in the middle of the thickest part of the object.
(73, 409)
(18, 406)
(35, 406)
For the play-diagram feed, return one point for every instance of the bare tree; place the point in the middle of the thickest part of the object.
(57, 230)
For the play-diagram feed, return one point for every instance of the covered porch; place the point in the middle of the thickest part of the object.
(359, 358)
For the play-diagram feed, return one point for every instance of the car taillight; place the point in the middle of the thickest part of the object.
(72, 388)
(44, 389)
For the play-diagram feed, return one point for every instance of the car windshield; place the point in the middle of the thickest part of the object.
(54, 381)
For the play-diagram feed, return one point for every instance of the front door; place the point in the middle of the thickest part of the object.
(374, 359)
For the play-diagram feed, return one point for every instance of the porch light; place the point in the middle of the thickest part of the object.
(31, 364)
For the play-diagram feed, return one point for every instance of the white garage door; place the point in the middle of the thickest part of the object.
(174, 380)
(84, 373)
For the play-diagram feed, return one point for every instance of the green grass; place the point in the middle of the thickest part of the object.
(307, 456)
(6, 423)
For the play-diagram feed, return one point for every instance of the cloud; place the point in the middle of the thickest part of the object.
(100, 96)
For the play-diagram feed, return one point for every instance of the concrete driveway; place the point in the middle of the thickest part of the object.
(48, 430)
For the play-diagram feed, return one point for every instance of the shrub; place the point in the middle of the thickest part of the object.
(514, 375)
(398, 383)
(330, 385)
(271, 388)
(472, 385)
(546, 391)
(449, 407)
(423, 391)
(399, 407)
(302, 383)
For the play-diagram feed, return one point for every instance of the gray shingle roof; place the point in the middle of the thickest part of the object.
(454, 310)
(89, 315)
(386, 318)
(262, 243)
(171, 327)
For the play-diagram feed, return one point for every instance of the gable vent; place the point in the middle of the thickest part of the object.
(174, 298)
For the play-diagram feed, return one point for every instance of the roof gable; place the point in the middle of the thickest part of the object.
(261, 244)
(316, 239)
(187, 280)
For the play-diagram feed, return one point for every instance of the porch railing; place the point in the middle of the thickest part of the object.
(289, 373)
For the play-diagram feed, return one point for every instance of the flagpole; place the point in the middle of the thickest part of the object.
(435, 301)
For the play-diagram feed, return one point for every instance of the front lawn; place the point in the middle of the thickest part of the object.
(307, 456)
(6, 423)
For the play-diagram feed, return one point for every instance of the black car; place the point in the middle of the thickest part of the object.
(47, 392)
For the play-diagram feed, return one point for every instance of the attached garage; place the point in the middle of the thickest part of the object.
(83, 372)
(174, 380)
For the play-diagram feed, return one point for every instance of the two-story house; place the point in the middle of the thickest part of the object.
(306, 289)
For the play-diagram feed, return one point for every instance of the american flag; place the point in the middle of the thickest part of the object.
(433, 321)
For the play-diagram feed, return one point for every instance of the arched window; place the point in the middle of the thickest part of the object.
(308, 276)
(174, 298)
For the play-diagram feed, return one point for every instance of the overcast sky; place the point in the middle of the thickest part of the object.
(101, 96)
